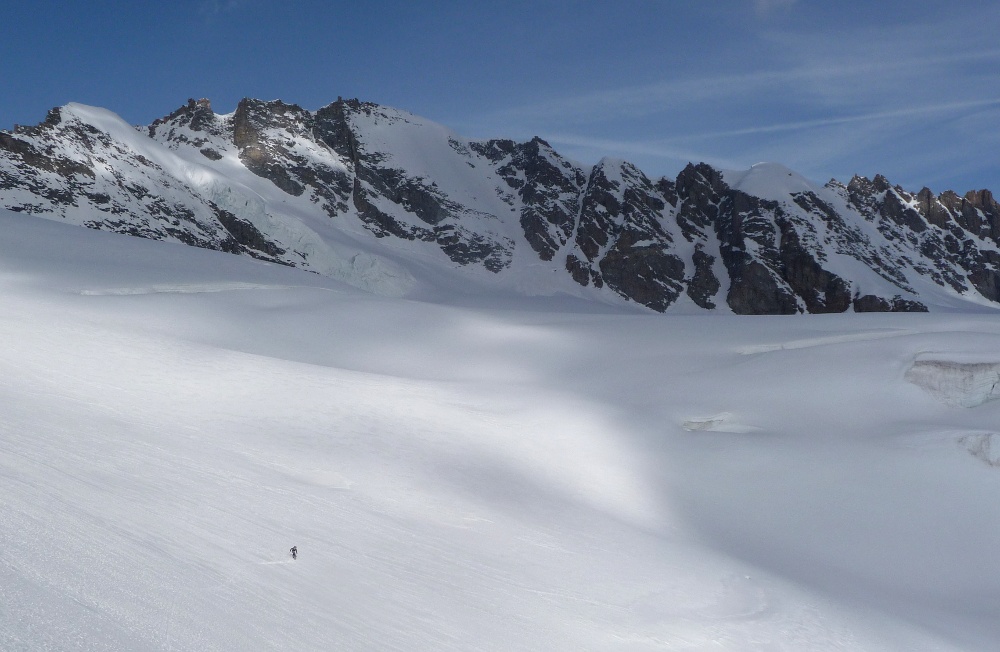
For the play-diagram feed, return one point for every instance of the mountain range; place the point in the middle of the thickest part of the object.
(392, 203)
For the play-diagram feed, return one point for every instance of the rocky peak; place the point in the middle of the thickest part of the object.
(193, 124)
(668, 190)
(196, 115)
(700, 189)
(333, 126)
(252, 117)
(700, 180)
(878, 200)
(982, 199)
(265, 133)
(546, 185)
(52, 118)
(986, 206)
(861, 187)
(880, 183)
(620, 240)
(933, 209)
(980, 214)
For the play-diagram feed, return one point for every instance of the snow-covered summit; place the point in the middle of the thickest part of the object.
(768, 181)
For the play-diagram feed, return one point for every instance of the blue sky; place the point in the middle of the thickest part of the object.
(908, 89)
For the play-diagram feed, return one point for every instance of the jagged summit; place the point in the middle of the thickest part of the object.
(393, 203)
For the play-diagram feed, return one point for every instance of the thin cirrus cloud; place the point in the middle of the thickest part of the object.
(899, 63)
(909, 112)
(897, 99)
(817, 82)
(835, 143)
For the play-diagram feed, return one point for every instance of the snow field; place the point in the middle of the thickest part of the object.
(464, 477)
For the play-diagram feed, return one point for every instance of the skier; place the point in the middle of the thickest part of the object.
(295, 552)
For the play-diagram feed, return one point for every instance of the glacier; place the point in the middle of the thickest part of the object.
(471, 472)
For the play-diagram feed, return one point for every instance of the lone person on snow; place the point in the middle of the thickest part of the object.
(295, 552)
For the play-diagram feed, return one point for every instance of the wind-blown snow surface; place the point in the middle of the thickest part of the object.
(172, 420)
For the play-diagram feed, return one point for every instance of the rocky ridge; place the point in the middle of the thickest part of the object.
(369, 194)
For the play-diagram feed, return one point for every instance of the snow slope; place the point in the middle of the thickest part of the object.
(468, 477)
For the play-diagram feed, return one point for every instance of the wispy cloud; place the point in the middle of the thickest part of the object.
(909, 112)
(891, 95)
(818, 80)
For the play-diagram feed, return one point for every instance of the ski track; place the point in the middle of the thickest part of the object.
(753, 349)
